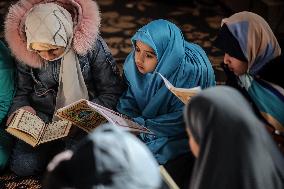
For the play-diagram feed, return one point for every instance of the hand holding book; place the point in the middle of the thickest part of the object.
(27, 108)
(88, 115)
(31, 129)
(83, 114)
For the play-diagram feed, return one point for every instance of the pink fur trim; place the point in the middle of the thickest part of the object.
(85, 35)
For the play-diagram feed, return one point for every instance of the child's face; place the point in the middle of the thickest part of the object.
(235, 65)
(46, 51)
(192, 144)
(145, 58)
(51, 54)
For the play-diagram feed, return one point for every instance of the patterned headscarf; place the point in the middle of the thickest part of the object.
(51, 24)
(255, 37)
(259, 46)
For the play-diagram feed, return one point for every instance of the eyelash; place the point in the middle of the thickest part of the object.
(49, 51)
(147, 54)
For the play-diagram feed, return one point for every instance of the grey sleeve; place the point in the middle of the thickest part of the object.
(108, 83)
(24, 86)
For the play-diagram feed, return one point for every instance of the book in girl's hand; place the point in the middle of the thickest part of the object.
(88, 115)
(83, 114)
(184, 94)
(34, 131)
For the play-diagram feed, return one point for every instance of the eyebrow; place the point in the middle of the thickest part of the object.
(151, 52)
(47, 50)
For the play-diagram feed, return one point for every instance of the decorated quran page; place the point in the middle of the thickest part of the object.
(184, 94)
(32, 130)
(55, 130)
(88, 115)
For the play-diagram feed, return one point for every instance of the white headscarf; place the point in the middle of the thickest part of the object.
(52, 24)
(108, 158)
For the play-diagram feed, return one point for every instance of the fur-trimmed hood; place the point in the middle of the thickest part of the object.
(86, 17)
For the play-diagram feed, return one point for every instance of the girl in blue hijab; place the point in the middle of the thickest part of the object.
(160, 47)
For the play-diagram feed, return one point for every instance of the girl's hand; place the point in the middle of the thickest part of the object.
(27, 108)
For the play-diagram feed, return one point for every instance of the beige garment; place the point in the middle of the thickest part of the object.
(43, 46)
(51, 24)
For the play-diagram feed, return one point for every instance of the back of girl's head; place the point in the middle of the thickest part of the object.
(234, 145)
(109, 158)
(221, 106)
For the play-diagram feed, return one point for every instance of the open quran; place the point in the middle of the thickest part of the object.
(88, 115)
(31, 129)
(184, 94)
(83, 114)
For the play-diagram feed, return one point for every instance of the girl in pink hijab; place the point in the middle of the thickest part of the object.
(61, 59)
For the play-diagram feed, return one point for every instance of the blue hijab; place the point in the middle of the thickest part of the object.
(149, 102)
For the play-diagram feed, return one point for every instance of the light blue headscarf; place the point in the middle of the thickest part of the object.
(149, 102)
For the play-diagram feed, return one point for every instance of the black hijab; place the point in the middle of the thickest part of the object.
(236, 151)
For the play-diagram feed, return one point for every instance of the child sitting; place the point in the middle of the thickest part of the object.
(61, 59)
(160, 47)
(232, 147)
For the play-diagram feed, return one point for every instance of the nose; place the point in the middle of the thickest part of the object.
(139, 58)
(226, 59)
(46, 55)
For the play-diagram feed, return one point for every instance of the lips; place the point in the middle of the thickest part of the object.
(139, 67)
(231, 69)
